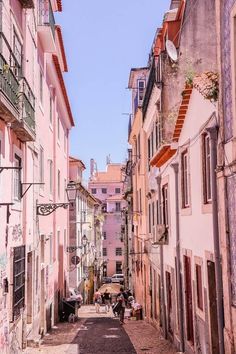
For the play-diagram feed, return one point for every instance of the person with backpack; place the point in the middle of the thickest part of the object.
(97, 300)
(121, 301)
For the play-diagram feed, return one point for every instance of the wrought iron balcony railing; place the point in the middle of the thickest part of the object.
(9, 85)
(46, 16)
(9, 67)
(28, 105)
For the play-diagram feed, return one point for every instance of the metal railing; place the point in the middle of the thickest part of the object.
(28, 104)
(9, 84)
(46, 16)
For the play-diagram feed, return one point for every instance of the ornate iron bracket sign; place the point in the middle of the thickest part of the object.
(47, 209)
(71, 249)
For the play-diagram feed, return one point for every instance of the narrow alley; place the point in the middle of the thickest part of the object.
(102, 334)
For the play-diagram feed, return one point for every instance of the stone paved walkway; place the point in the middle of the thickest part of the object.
(147, 339)
(66, 338)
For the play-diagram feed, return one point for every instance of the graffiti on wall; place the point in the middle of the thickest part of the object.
(16, 233)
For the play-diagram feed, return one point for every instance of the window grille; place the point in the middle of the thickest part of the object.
(18, 280)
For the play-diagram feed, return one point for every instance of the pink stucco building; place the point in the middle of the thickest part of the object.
(35, 119)
(107, 186)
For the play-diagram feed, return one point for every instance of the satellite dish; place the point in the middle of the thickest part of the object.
(171, 50)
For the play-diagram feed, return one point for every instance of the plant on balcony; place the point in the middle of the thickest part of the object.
(208, 85)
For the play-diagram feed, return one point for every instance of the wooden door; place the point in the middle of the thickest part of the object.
(188, 300)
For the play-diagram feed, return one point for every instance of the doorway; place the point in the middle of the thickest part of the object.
(169, 301)
(29, 287)
(213, 307)
(188, 300)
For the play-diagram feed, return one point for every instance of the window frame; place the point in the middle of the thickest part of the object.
(41, 165)
(118, 269)
(104, 190)
(141, 90)
(185, 179)
(117, 190)
(117, 206)
(19, 258)
(118, 251)
(17, 177)
(165, 205)
(206, 166)
(199, 287)
(94, 190)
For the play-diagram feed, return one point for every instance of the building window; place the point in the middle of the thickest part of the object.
(41, 165)
(50, 176)
(185, 179)
(206, 169)
(140, 201)
(18, 280)
(65, 142)
(199, 287)
(58, 244)
(117, 190)
(51, 110)
(17, 178)
(138, 147)
(17, 49)
(58, 128)
(158, 133)
(104, 252)
(104, 235)
(118, 267)
(104, 191)
(51, 248)
(118, 251)
(149, 218)
(104, 207)
(153, 213)
(59, 184)
(41, 86)
(94, 190)
(117, 206)
(141, 89)
(158, 212)
(165, 205)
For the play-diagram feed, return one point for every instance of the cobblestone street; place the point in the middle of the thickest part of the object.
(101, 333)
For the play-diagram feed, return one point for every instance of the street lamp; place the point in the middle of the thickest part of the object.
(71, 192)
(48, 208)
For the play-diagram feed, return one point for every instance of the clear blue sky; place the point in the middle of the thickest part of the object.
(104, 39)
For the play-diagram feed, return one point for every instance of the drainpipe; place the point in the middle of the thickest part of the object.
(218, 271)
(163, 311)
(175, 167)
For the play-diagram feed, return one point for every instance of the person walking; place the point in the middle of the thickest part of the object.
(107, 300)
(97, 300)
(121, 300)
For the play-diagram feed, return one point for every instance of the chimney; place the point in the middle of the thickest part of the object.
(174, 4)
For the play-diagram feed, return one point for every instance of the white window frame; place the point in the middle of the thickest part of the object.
(185, 179)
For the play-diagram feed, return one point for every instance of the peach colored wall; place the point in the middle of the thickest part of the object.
(110, 179)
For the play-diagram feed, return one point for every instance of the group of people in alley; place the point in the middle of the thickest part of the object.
(118, 306)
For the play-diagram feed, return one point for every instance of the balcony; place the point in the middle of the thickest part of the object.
(25, 126)
(27, 4)
(46, 26)
(9, 85)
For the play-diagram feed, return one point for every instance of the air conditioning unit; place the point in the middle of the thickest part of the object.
(161, 235)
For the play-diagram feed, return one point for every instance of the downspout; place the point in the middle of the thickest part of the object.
(218, 271)
(163, 311)
(175, 167)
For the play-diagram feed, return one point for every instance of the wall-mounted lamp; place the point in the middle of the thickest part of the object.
(48, 208)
